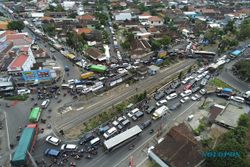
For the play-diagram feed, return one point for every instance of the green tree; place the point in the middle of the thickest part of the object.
(213, 34)
(166, 40)
(230, 27)
(49, 29)
(155, 45)
(125, 45)
(16, 25)
(244, 32)
(72, 15)
(115, 26)
(143, 8)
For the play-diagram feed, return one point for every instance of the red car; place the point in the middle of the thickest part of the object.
(188, 87)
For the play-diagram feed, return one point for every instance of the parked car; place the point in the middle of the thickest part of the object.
(160, 103)
(137, 115)
(150, 109)
(169, 91)
(53, 140)
(69, 147)
(196, 97)
(175, 85)
(159, 95)
(203, 91)
(103, 129)
(145, 124)
(131, 113)
(86, 138)
(109, 133)
(185, 99)
(195, 89)
(171, 96)
(186, 93)
(51, 152)
(237, 99)
(188, 87)
(175, 106)
(224, 95)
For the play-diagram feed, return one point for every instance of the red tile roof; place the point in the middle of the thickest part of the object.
(155, 18)
(18, 61)
(86, 17)
(79, 31)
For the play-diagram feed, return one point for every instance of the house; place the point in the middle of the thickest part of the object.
(155, 21)
(214, 111)
(179, 148)
(85, 31)
(95, 54)
(122, 16)
(57, 14)
(67, 5)
(3, 25)
(18, 39)
(87, 19)
(36, 14)
(22, 62)
(229, 117)
(143, 18)
(139, 48)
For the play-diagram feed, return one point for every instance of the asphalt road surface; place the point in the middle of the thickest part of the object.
(99, 104)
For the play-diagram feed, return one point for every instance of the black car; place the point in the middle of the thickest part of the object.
(86, 138)
(150, 109)
(223, 95)
(195, 89)
(169, 91)
(175, 106)
(159, 95)
(145, 124)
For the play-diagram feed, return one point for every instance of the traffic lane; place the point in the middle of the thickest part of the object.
(17, 116)
(72, 119)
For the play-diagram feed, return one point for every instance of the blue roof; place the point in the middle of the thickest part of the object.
(227, 89)
(236, 53)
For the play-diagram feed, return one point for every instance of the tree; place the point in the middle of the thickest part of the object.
(166, 40)
(72, 15)
(49, 29)
(230, 27)
(115, 26)
(244, 32)
(180, 75)
(16, 25)
(155, 45)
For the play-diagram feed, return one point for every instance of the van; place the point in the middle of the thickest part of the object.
(95, 141)
(52, 152)
(110, 132)
(45, 103)
(65, 86)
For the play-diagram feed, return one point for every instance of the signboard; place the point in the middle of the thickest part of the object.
(39, 75)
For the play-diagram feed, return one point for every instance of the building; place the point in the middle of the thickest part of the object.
(214, 111)
(6, 84)
(122, 16)
(95, 54)
(229, 117)
(22, 62)
(179, 148)
(67, 5)
(155, 21)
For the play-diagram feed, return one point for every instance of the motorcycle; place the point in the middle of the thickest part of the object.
(151, 131)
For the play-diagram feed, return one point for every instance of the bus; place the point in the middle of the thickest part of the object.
(122, 138)
(35, 114)
(203, 54)
(25, 145)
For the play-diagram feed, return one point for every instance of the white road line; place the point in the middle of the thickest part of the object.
(185, 111)
(142, 162)
(7, 131)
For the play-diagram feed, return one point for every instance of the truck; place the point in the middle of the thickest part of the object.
(247, 94)
(87, 75)
(159, 112)
(98, 68)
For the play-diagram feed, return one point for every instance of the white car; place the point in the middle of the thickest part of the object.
(160, 103)
(237, 99)
(171, 96)
(185, 99)
(203, 91)
(53, 140)
(23, 91)
(186, 93)
(199, 77)
(195, 97)
(69, 147)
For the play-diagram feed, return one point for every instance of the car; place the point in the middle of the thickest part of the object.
(52, 152)
(159, 95)
(109, 133)
(171, 96)
(196, 97)
(203, 91)
(150, 109)
(237, 99)
(145, 124)
(199, 77)
(207, 76)
(188, 87)
(200, 70)
(169, 91)
(137, 115)
(195, 89)
(53, 140)
(131, 113)
(223, 95)
(69, 147)
(186, 93)
(175, 85)
(175, 106)
(185, 99)
(86, 138)
(103, 129)
(23, 91)
(160, 103)
(45, 103)
(115, 123)
(204, 82)
(121, 118)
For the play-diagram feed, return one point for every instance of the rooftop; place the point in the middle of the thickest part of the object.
(155, 18)
(18, 61)
(179, 148)
(215, 110)
(79, 31)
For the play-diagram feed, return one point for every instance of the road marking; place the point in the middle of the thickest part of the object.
(7, 131)
(185, 110)
(142, 162)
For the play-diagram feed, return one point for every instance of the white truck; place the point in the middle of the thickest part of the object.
(159, 112)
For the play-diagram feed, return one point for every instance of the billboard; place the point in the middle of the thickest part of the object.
(37, 75)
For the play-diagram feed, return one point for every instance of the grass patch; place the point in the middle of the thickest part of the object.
(219, 83)
(17, 97)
